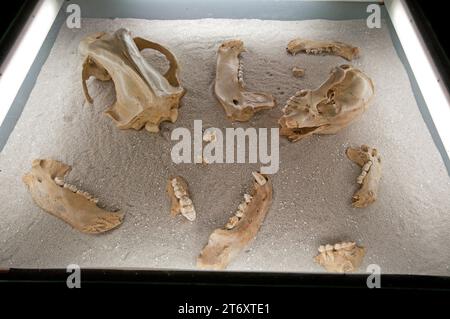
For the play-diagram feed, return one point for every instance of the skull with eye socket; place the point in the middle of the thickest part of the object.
(334, 105)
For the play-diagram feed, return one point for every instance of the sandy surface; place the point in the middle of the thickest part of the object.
(406, 231)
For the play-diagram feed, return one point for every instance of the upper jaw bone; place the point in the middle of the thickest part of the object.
(341, 49)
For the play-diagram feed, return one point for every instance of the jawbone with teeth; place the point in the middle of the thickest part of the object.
(77, 208)
(341, 49)
(229, 88)
(225, 243)
(342, 257)
(144, 97)
(369, 160)
(180, 199)
(334, 105)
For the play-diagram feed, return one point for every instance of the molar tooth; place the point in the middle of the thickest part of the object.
(261, 180)
(174, 182)
(321, 248)
(242, 207)
(232, 222)
(337, 246)
(328, 247)
(239, 213)
(180, 193)
(188, 212)
(185, 201)
(248, 198)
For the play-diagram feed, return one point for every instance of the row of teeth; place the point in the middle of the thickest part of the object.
(60, 182)
(339, 246)
(241, 73)
(234, 220)
(318, 51)
(365, 170)
(186, 206)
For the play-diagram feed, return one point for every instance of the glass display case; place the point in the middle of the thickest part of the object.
(250, 138)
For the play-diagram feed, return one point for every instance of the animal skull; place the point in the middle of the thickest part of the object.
(229, 87)
(144, 97)
(77, 208)
(370, 162)
(341, 257)
(225, 243)
(181, 201)
(334, 105)
(343, 50)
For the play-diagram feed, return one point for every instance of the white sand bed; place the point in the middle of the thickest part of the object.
(406, 231)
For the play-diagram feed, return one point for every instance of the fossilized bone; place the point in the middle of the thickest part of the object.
(370, 162)
(334, 105)
(144, 97)
(341, 257)
(224, 244)
(298, 72)
(229, 88)
(181, 202)
(343, 50)
(77, 208)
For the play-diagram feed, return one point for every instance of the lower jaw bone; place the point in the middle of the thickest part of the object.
(341, 257)
(46, 184)
(370, 162)
(225, 244)
(180, 200)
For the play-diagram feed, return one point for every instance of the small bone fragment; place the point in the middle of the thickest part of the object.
(298, 72)
(144, 97)
(341, 257)
(225, 244)
(238, 103)
(343, 50)
(334, 105)
(369, 160)
(46, 184)
(180, 199)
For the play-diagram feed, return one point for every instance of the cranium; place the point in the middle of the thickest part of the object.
(77, 208)
(239, 104)
(370, 162)
(334, 105)
(144, 97)
(343, 50)
(225, 243)
(341, 257)
(180, 200)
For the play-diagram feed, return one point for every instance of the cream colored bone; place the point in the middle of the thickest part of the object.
(370, 162)
(339, 101)
(144, 97)
(180, 199)
(77, 208)
(342, 257)
(224, 244)
(298, 72)
(229, 88)
(343, 50)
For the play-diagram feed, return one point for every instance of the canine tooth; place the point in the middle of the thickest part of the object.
(59, 181)
(261, 180)
(248, 198)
